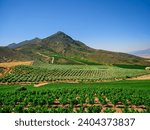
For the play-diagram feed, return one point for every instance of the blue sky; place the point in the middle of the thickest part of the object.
(117, 25)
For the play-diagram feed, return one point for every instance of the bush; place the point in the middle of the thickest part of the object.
(107, 110)
(18, 109)
(6, 109)
(94, 109)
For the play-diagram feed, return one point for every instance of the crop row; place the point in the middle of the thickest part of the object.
(37, 74)
(75, 100)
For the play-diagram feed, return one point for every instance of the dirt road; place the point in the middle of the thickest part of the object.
(143, 77)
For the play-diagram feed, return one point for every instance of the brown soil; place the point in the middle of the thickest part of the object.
(43, 55)
(104, 107)
(143, 77)
(8, 65)
(118, 107)
(40, 84)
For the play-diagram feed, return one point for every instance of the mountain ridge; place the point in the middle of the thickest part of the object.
(142, 53)
(66, 50)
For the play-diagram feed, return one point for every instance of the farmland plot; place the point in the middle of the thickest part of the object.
(74, 73)
(122, 96)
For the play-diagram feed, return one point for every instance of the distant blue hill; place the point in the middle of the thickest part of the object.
(142, 53)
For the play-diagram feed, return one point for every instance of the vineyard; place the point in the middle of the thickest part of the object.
(66, 73)
(83, 90)
(108, 97)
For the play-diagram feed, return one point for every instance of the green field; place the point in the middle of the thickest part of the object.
(118, 96)
(71, 73)
(86, 88)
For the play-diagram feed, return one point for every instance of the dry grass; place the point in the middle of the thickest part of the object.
(15, 63)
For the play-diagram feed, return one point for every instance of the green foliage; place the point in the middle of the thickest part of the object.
(18, 109)
(130, 66)
(68, 98)
(80, 110)
(74, 73)
(94, 109)
(65, 50)
(108, 110)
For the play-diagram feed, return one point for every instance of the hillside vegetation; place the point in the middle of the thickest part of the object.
(62, 49)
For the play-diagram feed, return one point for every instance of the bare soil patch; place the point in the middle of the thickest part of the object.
(143, 77)
(15, 63)
(40, 84)
(43, 55)
(7, 66)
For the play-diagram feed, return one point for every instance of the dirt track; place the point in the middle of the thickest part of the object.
(143, 77)
(40, 84)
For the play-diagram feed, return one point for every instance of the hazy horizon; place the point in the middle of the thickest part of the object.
(118, 25)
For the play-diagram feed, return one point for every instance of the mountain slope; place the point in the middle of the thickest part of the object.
(7, 54)
(15, 45)
(63, 49)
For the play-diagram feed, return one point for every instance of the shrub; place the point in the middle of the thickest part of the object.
(18, 109)
(94, 109)
(107, 110)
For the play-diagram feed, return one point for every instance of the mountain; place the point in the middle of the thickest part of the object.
(142, 53)
(7, 54)
(15, 45)
(62, 49)
(12, 45)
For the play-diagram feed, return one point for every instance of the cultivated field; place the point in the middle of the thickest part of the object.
(74, 88)
(70, 73)
(108, 97)
(15, 63)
